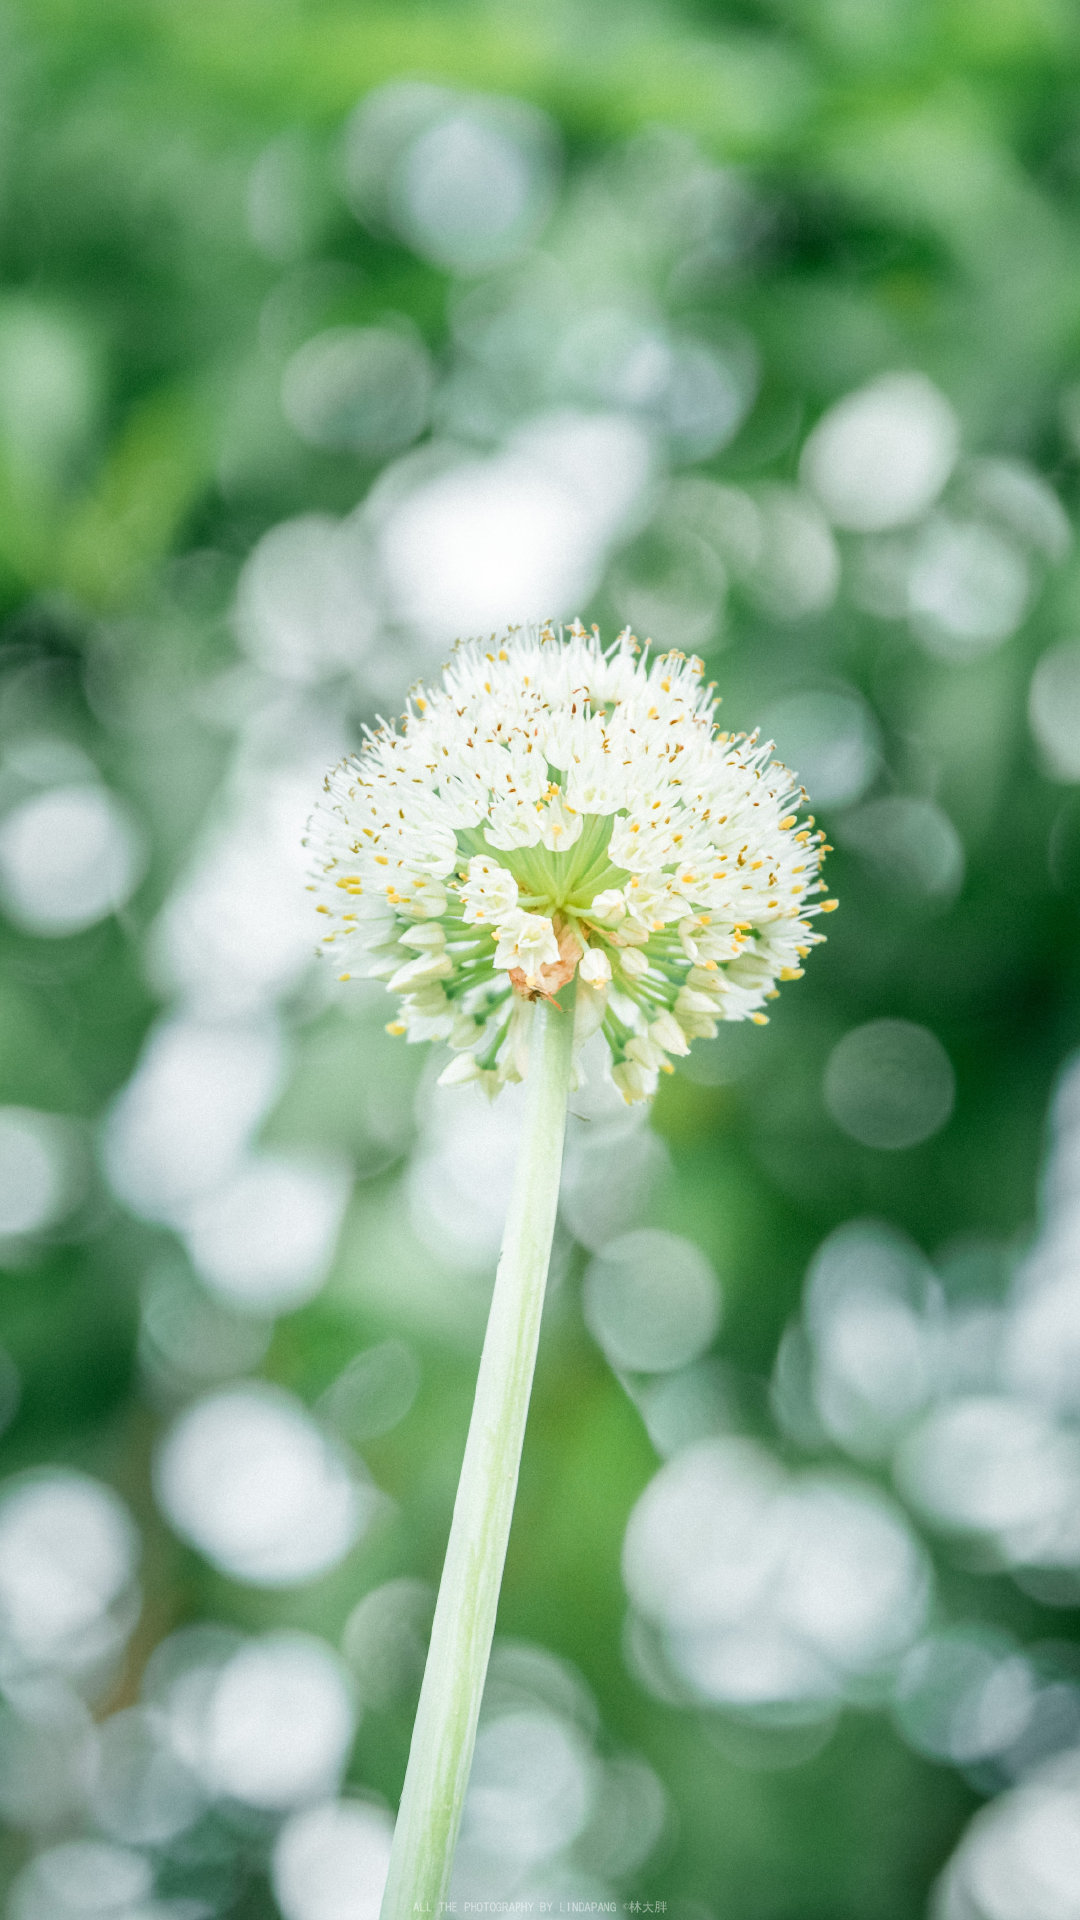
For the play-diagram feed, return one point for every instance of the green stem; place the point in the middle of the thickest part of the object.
(444, 1732)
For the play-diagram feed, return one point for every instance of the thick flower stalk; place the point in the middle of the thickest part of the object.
(556, 840)
(554, 810)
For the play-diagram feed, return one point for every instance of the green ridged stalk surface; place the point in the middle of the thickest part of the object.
(444, 1733)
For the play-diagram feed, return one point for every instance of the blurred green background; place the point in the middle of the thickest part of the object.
(328, 334)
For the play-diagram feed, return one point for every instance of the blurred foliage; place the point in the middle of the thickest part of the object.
(174, 226)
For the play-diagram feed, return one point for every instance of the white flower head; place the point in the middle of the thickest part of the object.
(555, 809)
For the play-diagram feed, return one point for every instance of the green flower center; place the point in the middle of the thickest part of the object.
(551, 883)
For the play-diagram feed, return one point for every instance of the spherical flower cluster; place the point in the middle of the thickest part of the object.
(554, 810)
